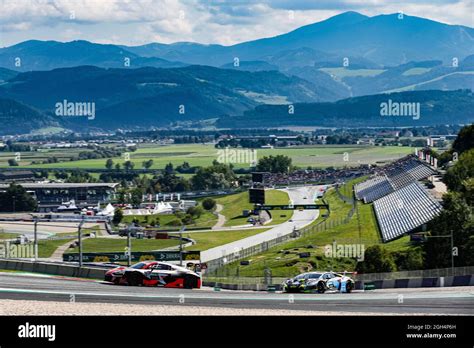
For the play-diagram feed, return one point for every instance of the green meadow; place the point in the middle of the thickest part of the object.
(319, 156)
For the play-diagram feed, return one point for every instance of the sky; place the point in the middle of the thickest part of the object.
(137, 22)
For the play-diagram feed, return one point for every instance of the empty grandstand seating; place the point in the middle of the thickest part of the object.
(373, 189)
(404, 210)
(392, 177)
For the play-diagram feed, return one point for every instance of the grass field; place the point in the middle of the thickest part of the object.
(27, 157)
(415, 71)
(208, 240)
(6, 235)
(47, 247)
(202, 155)
(343, 72)
(284, 259)
(234, 204)
(206, 220)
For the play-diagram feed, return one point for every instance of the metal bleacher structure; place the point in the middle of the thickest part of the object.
(401, 203)
(398, 175)
(404, 210)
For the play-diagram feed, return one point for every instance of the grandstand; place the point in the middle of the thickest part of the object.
(391, 178)
(374, 188)
(404, 210)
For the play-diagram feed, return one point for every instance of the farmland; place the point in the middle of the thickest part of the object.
(318, 156)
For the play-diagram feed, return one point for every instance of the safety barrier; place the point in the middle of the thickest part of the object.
(259, 284)
(53, 269)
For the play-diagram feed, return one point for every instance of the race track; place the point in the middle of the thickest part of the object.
(437, 301)
(299, 195)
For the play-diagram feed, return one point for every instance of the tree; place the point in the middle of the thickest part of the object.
(109, 164)
(157, 187)
(195, 212)
(275, 164)
(461, 171)
(464, 140)
(118, 216)
(128, 165)
(80, 176)
(376, 260)
(61, 175)
(208, 204)
(122, 195)
(456, 218)
(169, 169)
(217, 176)
(137, 195)
(172, 183)
(147, 164)
(16, 199)
(411, 259)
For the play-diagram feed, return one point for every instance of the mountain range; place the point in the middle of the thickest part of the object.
(384, 40)
(344, 57)
(149, 96)
(378, 41)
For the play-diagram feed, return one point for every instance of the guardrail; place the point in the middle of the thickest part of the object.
(54, 268)
(461, 276)
(428, 273)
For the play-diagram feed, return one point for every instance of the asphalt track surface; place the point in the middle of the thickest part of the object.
(438, 301)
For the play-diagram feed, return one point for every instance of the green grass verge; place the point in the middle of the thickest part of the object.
(6, 235)
(47, 247)
(235, 203)
(206, 220)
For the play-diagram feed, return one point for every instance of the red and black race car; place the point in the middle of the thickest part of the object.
(154, 273)
(115, 275)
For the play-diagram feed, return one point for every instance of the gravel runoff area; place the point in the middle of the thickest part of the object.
(25, 307)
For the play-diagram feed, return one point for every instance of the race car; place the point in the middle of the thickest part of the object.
(116, 275)
(161, 274)
(319, 282)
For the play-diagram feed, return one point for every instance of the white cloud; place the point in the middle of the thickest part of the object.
(205, 21)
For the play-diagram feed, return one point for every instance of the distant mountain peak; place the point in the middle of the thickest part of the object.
(348, 16)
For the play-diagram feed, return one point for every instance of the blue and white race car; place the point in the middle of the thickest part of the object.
(319, 282)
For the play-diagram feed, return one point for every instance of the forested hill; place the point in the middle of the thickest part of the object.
(436, 107)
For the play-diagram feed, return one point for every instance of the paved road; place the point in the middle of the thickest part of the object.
(455, 301)
(220, 218)
(299, 220)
